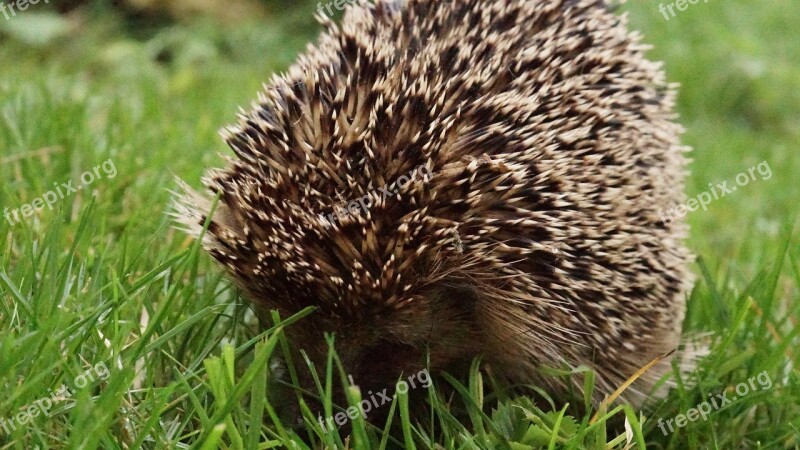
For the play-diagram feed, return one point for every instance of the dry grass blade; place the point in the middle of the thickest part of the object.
(610, 399)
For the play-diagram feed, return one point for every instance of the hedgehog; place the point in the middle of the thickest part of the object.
(444, 181)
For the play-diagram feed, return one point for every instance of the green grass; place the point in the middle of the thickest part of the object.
(103, 281)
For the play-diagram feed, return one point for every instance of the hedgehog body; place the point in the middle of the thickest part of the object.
(548, 146)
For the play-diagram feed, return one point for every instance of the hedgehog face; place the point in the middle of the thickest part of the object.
(439, 332)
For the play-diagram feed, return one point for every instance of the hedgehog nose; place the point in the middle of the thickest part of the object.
(284, 401)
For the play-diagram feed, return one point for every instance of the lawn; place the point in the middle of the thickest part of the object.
(116, 331)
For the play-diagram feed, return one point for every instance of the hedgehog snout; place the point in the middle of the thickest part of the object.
(440, 333)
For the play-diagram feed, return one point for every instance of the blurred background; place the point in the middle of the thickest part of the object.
(192, 63)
